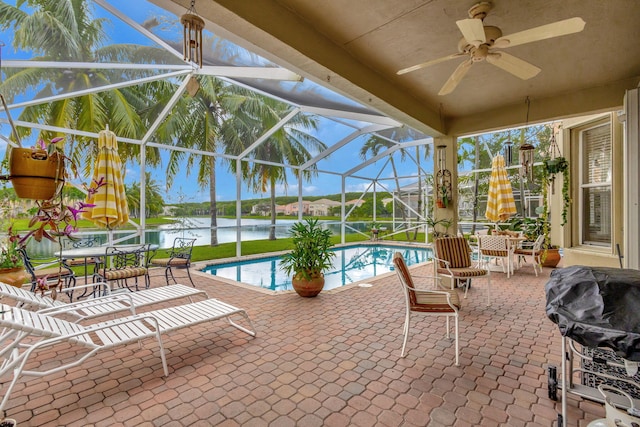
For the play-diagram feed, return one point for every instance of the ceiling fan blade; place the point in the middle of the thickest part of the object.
(430, 63)
(556, 29)
(513, 65)
(455, 78)
(472, 30)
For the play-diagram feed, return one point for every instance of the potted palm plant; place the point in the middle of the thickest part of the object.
(310, 258)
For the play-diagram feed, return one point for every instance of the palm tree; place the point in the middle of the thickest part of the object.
(290, 144)
(65, 31)
(214, 120)
(154, 202)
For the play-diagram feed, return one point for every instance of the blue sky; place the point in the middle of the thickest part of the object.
(185, 186)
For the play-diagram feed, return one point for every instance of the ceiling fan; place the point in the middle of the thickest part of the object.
(479, 43)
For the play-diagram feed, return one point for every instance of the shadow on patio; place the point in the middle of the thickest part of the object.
(332, 360)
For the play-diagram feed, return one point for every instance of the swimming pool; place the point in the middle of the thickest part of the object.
(351, 264)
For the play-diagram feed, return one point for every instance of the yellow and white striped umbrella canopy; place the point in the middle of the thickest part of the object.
(500, 202)
(111, 209)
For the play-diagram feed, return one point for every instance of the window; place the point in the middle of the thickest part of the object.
(595, 186)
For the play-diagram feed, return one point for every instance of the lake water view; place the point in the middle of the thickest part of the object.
(198, 228)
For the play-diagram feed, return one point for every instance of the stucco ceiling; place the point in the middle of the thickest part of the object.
(357, 46)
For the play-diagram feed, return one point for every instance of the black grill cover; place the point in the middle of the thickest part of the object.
(597, 307)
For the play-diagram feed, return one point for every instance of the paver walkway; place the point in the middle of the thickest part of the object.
(332, 360)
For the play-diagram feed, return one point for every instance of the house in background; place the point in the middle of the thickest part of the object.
(322, 207)
(293, 208)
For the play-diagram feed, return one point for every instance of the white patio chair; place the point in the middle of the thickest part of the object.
(102, 306)
(441, 302)
(492, 247)
(530, 249)
(27, 333)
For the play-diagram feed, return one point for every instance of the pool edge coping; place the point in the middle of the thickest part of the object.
(207, 263)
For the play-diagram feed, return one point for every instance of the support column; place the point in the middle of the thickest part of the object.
(631, 176)
(451, 164)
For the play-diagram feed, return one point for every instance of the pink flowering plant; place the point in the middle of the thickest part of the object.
(9, 255)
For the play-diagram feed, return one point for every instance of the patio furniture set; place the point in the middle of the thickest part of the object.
(453, 260)
(121, 266)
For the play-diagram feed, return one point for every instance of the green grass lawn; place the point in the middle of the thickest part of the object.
(22, 224)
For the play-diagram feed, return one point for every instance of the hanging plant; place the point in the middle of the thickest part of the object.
(553, 166)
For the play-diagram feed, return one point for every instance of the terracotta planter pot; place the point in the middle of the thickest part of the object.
(552, 257)
(34, 174)
(13, 276)
(308, 288)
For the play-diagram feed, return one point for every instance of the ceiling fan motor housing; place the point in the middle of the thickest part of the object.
(491, 34)
(480, 10)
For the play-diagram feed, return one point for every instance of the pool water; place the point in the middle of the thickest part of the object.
(351, 264)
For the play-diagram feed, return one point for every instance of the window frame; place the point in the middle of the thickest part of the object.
(582, 185)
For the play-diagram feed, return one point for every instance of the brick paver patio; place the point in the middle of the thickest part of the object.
(332, 360)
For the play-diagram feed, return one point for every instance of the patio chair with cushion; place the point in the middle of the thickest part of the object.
(452, 259)
(179, 257)
(50, 270)
(27, 334)
(102, 306)
(531, 249)
(121, 265)
(430, 302)
(496, 247)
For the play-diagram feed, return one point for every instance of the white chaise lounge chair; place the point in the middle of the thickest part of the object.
(26, 333)
(95, 307)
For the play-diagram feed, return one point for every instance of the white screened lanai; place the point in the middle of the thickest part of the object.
(142, 45)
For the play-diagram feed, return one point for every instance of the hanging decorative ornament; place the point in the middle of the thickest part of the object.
(526, 161)
(508, 153)
(192, 35)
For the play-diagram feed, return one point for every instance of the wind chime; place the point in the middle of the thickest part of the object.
(192, 25)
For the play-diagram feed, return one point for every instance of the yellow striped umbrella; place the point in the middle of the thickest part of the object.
(107, 194)
(500, 203)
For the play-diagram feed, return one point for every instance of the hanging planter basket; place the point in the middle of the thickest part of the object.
(35, 174)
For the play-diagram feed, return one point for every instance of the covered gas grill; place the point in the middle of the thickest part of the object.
(597, 310)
